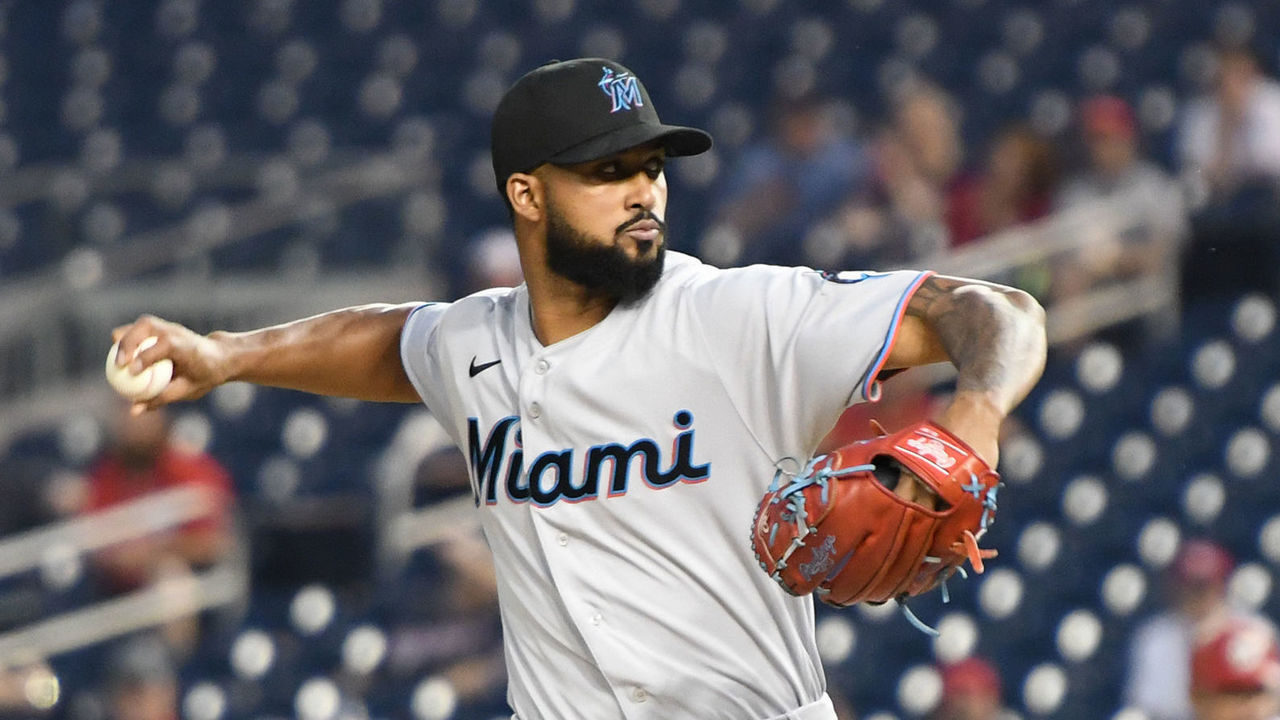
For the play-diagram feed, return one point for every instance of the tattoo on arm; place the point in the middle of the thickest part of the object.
(993, 334)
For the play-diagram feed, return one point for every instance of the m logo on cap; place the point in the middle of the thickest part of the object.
(622, 89)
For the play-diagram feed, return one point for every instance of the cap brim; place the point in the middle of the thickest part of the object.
(679, 141)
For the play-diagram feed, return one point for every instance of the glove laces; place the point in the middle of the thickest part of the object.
(967, 547)
(792, 489)
(792, 492)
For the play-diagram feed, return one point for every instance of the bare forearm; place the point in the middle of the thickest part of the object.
(994, 336)
(354, 352)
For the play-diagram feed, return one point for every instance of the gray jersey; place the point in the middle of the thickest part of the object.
(617, 472)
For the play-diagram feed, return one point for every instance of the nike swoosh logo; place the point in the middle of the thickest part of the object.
(477, 369)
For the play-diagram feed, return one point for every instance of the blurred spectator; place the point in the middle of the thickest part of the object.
(32, 494)
(902, 215)
(1160, 649)
(971, 690)
(1235, 671)
(492, 261)
(30, 498)
(1151, 218)
(141, 682)
(785, 183)
(1015, 186)
(1230, 146)
(140, 460)
(442, 475)
(1116, 169)
(449, 625)
(1232, 138)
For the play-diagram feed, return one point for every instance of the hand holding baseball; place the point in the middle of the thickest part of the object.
(144, 385)
(155, 362)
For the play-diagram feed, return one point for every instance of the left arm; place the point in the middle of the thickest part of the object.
(995, 337)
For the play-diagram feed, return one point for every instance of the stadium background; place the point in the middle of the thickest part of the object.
(232, 163)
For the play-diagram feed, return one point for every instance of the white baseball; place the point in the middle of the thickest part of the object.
(146, 384)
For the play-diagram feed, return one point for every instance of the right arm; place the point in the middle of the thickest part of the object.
(353, 352)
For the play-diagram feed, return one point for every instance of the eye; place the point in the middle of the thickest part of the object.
(654, 167)
(608, 170)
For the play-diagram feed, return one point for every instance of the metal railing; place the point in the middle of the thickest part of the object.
(168, 599)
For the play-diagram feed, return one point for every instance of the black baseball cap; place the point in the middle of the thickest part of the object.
(572, 111)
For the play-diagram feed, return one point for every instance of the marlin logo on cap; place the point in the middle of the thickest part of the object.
(622, 89)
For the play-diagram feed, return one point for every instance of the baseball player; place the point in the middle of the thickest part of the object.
(624, 410)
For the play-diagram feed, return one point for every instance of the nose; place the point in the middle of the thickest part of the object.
(642, 192)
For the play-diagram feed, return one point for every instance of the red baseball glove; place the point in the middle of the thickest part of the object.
(839, 529)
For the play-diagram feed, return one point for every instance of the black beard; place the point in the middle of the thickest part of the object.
(602, 268)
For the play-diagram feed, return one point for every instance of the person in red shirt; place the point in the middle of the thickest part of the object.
(971, 690)
(1235, 670)
(141, 460)
(1015, 186)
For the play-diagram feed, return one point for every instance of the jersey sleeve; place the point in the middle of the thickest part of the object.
(795, 346)
(418, 350)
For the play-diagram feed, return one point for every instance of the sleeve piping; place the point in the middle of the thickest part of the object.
(870, 385)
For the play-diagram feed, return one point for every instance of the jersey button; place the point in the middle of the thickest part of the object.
(563, 539)
(597, 619)
(639, 695)
(535, 410)
(542, 367)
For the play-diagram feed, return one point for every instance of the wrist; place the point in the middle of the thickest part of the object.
(228, 357)
(975, 417)
(974, 406)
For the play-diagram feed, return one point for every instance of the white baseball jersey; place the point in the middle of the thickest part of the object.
(617, 473)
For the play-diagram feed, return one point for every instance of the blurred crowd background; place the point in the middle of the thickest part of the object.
(262, 553)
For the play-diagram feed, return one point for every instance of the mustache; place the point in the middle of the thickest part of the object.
(643, 215)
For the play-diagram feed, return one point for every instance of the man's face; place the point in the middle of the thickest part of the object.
(140, 439)
(973, 705)
(1237, 706)
(1199, 599)
(150, 700)
(1237, 76)
(604, 222)
(1111, 153)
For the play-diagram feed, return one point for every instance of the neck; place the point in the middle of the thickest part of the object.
(561, 308)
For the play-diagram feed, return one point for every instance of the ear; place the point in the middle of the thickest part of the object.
(525, 192)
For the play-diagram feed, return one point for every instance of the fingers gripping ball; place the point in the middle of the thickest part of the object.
(839, 530)
(148, 383)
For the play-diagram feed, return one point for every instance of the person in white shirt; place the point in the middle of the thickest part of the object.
(1160, 648)
(1232, 138)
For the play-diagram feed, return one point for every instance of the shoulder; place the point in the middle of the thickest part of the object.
(471, 311)
(487, 301)
(1152, 180)
(1148, 170)
(1078, 190)
(685, 275)
(779, 285)
(1268, 95)
(1200, 112)
(1159, 626)
(681, 275)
